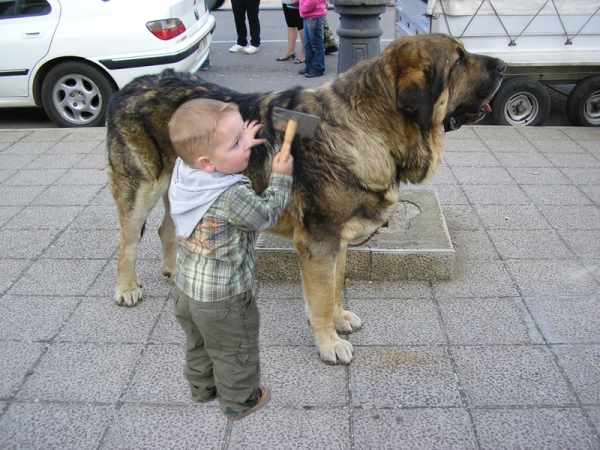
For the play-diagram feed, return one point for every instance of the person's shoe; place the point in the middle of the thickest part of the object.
(303, 71)
(313, 75)
(263, 397)
(286, 58)
(250, 50)
(299, 61)
(205, 67)
(332, 49)
(237, 48)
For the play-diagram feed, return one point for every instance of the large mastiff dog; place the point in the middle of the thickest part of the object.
(383, 123)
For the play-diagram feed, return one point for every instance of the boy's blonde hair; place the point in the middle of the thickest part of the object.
(192, 128)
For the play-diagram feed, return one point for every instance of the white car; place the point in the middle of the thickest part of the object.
(70, 56)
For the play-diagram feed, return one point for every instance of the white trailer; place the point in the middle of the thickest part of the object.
(544, 42)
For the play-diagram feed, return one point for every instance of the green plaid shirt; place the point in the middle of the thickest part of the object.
(217, 260)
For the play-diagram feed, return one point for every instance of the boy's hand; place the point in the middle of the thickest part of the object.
(250, 130)
(283, 161)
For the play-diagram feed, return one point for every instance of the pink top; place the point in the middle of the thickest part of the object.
(313, 9)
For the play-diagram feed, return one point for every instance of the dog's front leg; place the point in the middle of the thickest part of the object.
(318, 268)
(345, 321)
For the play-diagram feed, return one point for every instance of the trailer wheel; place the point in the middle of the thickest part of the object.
(521, 101)
(583, 104)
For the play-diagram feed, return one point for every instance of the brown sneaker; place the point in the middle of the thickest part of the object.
(263, 397)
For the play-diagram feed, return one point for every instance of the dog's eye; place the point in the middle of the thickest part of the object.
(459, 62)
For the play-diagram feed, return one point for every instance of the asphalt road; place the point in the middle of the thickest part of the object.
(260, 72)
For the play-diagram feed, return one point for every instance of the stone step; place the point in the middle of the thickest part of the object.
(415, 245)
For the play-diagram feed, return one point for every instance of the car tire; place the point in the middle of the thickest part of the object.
(521, 101)
(583, 103)
(216, 4)
(76, 94)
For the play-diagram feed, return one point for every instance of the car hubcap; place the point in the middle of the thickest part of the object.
(77, 99)
(591, 109)
(521, 109)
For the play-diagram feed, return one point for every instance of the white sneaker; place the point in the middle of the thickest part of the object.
(237, 48)
(250, 50)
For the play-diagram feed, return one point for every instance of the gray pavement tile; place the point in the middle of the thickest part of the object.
(522, 159)
(21, 318)
(43, 218)
(292, 429)
(582, 133)
(7, 213)
(279, 289)
(159, 377)
(104, 198)
(443, 175)
(168, 331)
(13, 136)
(19, 195)
(84, 244)
(48, 135)
(36, 177)
(592, 146)
(58, 277)
(54, 426)
(305, 382)
(48, 161)
(584, 243)
(96, 134)
(473, 245)
(491, 132)
(482, 158)
(538, 175)
(545, 277)
(462, 133)
(392, 377)
(526, 244)
(4, 145)
(15, 162)
(461, 218)
(450, 194)
(594, 414)
(483, 176)
(72, 147)
(570, 160)
(511, 217)
(27, 148)
(559, 147)
(567, 320)
(572, 217)
(413, 429)
(496, 195)
(153, 282)
(11, 270)
(83, 176)
(284, 322)
(593, 266)
(488, 322)
(96, 373)
(149, 247)
(477, 279)
(16, 246)
(17, 358)
(96, 218)
(511, 376)
(101, 320)
(67, 195)
(519, 145)
(387, 289)
(396, 322)
(581, 363)
(533, 428)
(583, 175)
(465, 145)
(166, 427)
(541, 133)
(96, 160)
(6, 174)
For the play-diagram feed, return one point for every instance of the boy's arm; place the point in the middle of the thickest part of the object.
(255, 213)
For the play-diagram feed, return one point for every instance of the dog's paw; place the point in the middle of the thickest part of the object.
(129, 297)
(169, 272)
(348, 323)
(338, 351)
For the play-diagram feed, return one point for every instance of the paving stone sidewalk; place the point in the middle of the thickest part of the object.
(505, 355)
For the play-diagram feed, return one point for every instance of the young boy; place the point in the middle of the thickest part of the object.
(216, 214)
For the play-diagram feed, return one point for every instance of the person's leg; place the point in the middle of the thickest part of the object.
(303, 53)
(252, 7)
(314, 29)
(198, 369)
(292, 34)
(230, 330)
(328, 39)
(308, 32)
(239, 17)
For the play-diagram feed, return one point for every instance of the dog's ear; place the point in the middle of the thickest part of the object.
(414, 97)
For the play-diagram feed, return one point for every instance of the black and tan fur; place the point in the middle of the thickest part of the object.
(383, 123)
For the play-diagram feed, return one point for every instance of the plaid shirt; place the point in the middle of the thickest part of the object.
(217, 260)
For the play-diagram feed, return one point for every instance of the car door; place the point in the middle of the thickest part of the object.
(26, 30)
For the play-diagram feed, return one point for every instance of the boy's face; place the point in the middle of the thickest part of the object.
(232, 150)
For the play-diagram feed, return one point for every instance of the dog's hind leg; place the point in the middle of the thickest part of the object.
(168, 239)
(318, 266)
(345, 321)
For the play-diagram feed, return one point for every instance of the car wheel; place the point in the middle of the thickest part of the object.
(216, 4)
(76, 94)
(583, 103)
(521, 101)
